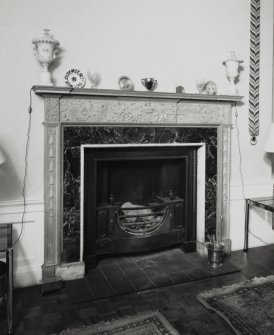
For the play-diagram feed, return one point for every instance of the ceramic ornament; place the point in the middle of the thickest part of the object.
(45, 49)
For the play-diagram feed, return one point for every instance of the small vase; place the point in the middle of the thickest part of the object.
(232, 72)
(149, 83)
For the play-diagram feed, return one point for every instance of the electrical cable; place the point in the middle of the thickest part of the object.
(241, 172)
(26, 169)
(26, 164)
(69, 92)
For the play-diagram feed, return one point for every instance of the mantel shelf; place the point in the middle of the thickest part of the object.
(66, 91)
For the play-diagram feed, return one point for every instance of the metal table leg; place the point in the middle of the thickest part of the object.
(9, 255)
(246, 224)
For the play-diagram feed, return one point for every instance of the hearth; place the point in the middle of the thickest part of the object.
(138, 198)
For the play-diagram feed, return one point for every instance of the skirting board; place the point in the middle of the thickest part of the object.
(253, 189)
(27, 277)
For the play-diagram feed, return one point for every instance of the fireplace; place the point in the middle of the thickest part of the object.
(138, 198)
(82, 117)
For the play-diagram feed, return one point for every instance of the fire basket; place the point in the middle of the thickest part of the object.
(141, 219)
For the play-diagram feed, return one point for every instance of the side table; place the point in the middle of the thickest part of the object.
(266, 203)
(6, 247)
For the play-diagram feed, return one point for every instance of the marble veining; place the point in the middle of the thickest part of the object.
(75, 136)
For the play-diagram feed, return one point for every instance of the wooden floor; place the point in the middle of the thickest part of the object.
(51, 313)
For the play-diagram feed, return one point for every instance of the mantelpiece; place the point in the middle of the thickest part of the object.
(103, 108)
(66, 91)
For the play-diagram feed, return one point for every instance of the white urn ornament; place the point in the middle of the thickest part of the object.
(45, 49)
(232, 71)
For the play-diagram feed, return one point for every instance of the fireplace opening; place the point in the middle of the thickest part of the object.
(138, 199)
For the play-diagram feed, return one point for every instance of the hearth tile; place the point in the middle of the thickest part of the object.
(177, 264)
(123, 288)
(78, 290)
(227, 267)
(128, 266)
(196, 274)
(161, 280)
(179, 277)
(102, 292)
(171, 267)
(146, 262)
(126, 260)
(194, 259)
(181, 257)
(99, 280)
(93, 272)
(153, 271)
(143, 284)
(134, 275)
(107, 261)
(113, 274)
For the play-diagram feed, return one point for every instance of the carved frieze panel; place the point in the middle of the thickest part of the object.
(117, 111)
(121, 111)
(203, 113)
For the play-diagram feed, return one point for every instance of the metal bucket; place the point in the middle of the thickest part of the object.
(215, 256)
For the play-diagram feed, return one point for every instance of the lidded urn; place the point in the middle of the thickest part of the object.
(45, 49)
(232, 71)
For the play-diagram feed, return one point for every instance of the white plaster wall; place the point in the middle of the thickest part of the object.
(256, 164)
(176, 41)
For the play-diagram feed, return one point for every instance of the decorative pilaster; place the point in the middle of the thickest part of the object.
(51, 190)
(225, 218)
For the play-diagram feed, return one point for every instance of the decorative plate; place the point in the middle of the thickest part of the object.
(75, 78)
(125, 83)
(210, 88)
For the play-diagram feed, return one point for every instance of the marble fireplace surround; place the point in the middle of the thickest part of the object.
(111, 108)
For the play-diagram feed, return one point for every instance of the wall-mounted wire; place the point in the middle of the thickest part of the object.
(26, 168)
(241, 172)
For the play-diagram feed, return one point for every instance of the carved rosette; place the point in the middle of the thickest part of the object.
(51, 110)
